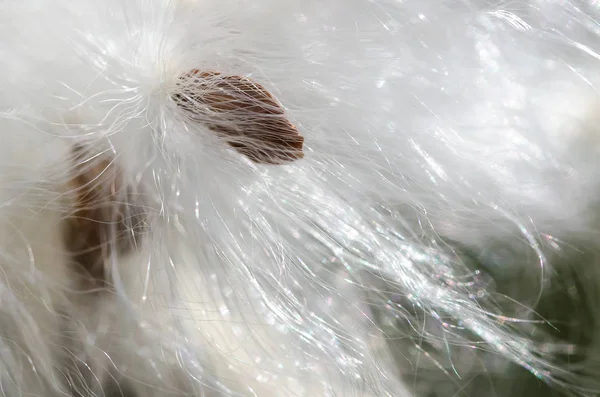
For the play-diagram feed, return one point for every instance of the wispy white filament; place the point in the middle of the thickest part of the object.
(448, 190)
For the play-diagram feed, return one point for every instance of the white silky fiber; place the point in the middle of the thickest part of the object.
(440, 236)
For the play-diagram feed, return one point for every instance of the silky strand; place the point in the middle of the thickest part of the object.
(302, 198)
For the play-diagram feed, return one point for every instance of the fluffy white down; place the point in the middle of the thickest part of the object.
(448, 190)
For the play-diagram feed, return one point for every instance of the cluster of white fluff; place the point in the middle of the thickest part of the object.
(440, 232)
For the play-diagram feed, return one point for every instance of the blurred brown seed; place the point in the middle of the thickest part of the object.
(242, 112)
(104, 219)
